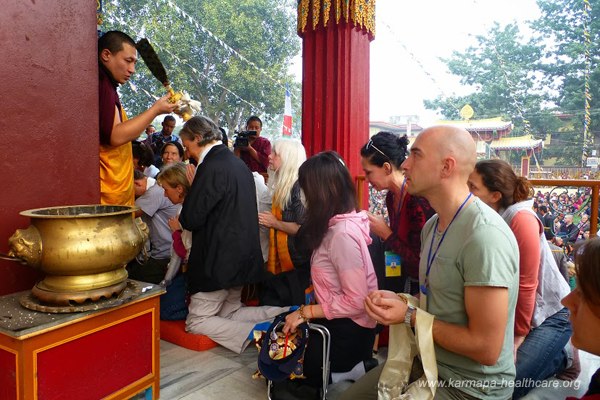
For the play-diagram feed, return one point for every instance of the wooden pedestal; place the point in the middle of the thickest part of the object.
(107, 354)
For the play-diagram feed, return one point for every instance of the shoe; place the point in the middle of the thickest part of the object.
(370, 364)
(573, 366)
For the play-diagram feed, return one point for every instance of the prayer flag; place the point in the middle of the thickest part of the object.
(287, 114)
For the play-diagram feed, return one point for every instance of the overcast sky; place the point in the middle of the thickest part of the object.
(410, 38)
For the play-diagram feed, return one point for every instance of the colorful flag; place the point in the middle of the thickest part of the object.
(287, 113)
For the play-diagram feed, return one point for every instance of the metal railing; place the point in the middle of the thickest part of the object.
(576, 183)
(552, 183)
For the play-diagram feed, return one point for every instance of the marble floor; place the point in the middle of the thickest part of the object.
(214, 374)
(221, 374)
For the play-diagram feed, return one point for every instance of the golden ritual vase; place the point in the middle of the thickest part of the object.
(83, 250)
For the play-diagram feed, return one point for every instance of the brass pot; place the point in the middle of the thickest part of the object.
(80, 248)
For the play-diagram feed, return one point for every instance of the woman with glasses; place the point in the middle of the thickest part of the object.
(381, 160)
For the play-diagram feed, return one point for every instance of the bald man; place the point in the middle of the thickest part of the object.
(468, 275)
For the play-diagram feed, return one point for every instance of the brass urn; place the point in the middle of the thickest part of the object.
(83, 250)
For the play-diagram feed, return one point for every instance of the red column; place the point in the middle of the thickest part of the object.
(335, 84)
(49, 122)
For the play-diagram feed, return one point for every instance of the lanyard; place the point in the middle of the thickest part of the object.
(431, 257)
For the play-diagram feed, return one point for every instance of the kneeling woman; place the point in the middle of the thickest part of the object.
(341, 268)
(542, 327)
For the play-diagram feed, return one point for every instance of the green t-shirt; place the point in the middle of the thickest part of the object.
(479, 249)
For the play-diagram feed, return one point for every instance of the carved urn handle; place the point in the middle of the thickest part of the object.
(26, 245)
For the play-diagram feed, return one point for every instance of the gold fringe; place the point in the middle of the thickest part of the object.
(316, 13)
(302, 14)
(359, 12)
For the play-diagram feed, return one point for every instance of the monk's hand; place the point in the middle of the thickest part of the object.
(164, 105)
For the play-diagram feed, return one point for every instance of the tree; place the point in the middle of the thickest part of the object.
(231, 55)
(505, 72)
(566, 23)
(535, 80)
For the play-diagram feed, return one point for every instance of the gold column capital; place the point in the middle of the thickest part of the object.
(359, 12)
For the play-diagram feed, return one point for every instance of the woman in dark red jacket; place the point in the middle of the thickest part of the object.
(381, 160)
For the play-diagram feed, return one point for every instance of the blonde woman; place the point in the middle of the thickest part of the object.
(173, 179)
(288, 265)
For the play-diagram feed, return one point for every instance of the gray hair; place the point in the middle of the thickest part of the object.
(202, 128)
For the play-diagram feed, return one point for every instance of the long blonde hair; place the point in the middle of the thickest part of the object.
(292, 155)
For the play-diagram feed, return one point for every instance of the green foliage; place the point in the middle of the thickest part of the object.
(231, 55)
(533, 80)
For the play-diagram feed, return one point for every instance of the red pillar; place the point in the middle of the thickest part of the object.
(49, 116)
(335, 83)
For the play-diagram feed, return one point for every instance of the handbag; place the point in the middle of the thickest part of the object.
(410, 353)
(281, 355)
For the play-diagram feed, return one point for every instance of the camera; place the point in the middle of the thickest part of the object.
(242, 138)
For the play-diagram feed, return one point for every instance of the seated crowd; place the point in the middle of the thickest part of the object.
(479, 250)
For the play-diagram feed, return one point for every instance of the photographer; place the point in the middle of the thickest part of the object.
(253, 149)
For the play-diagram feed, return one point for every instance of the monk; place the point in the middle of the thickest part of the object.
(117, 56)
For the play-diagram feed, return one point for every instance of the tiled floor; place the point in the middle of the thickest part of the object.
(221, 374)
(214, 374)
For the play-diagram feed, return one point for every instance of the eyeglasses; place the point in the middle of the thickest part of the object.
(370, 144)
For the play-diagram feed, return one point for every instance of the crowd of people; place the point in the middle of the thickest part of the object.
(470, 240)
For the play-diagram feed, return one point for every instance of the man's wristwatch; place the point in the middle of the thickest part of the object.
(408, 316)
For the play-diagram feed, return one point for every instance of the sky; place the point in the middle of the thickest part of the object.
(410, 38)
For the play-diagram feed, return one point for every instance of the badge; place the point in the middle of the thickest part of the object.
(393, 264)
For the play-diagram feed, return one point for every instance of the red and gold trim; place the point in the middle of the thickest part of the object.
(112, 354)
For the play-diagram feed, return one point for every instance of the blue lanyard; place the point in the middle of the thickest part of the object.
(431, 257)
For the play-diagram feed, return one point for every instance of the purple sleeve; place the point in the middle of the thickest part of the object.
(178, 245)
(108, 100)
(264, 150)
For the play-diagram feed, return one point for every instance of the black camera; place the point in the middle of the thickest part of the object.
(242, 138)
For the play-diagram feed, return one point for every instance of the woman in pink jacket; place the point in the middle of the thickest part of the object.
(341, 270)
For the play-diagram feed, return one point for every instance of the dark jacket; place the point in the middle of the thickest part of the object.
(548, 222)
(220, 211)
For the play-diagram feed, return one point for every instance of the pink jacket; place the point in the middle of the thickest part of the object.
(342, 271)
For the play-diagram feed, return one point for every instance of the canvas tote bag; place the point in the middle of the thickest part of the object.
(404, 346)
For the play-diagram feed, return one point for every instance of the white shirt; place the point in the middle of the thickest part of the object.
(207, 149)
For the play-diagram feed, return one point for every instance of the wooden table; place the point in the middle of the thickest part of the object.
(111, 353)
